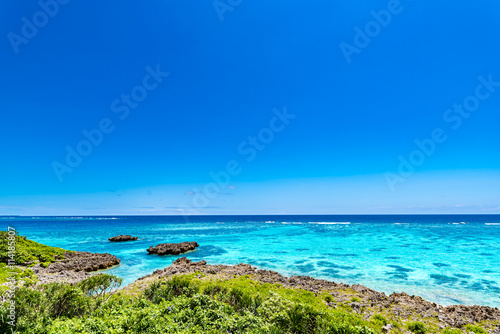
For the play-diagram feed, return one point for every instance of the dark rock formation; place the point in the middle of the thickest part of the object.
(74, 267)
(172, 249)
(83, 261)
(127, 237)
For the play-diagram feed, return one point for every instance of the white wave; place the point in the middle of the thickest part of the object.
(330, 223)
(491, 223)
(401, 223)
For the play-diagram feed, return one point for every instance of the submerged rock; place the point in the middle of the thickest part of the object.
(172, 249)
(127, 237)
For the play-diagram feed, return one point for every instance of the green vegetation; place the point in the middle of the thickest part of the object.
(475, 329)
(97, 286)
(29, 251)
(449, 330)
(380, 319)
(182, 304)
(416, 327)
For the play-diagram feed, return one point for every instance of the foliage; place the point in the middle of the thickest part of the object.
(98, 285)
(181, 304)
(24, 275)
(380, 319)
(170, 289)
(416, 327)
(475, 329)
(29, 250)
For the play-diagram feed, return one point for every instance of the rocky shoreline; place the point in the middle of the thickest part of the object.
(368, 301)
(75, 267)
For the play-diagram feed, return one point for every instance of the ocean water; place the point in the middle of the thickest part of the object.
(447, 259)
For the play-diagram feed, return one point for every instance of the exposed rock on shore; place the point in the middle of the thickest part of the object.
(172, 249)
(119, 238)
(74, 267)
(368, 302)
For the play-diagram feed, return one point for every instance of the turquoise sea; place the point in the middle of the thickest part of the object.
(447, 259)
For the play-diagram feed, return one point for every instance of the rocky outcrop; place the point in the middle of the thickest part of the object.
(172, 249)
(74, 267)
(400, 305)
(119, 238)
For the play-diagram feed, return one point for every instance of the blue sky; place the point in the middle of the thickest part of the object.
(249, 107)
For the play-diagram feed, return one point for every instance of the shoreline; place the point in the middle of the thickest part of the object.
(368, 302)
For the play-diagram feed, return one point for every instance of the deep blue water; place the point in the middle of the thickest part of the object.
(447, 259)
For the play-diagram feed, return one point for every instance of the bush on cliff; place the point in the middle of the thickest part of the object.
(29, 251)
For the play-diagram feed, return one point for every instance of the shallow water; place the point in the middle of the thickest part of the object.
(447, 259)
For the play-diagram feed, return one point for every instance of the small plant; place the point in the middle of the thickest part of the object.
(329, 299)
(355, 300)
(475, 329)
(449, 330)
(170, 289)
(66, 300)
(380, 319)
(181, 286)
(416, 327)
(239, 299)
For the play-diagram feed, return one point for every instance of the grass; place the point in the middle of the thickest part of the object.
(475, 329)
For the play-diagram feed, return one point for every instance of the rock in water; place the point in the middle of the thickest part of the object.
(127, 237)
(172, 249)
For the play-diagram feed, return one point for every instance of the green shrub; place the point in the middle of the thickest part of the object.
(380, 319)
(302, 319)
(329, 299)
(160, 291)
(449, 330)
(239, 299)
(180, 285)
(67, 301)
(215, 289)
(416, 327)
(157, 292)
(475, 329)
(98, 285)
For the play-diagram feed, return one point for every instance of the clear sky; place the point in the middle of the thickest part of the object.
(251, 107)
